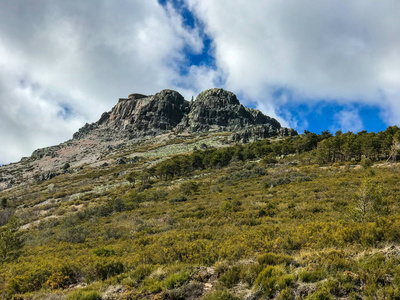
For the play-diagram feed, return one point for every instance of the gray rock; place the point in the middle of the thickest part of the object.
(214, 110)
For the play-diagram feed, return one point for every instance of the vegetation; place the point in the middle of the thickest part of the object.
(308, 217)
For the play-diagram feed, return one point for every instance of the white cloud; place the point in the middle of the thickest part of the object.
(348, 120)
(84, 54)
(336, 50)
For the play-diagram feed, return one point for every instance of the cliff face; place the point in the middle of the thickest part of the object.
(214, 110)
(140, 115)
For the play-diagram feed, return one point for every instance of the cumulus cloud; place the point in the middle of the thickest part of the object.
(348, 120)
(63, 63)
(336, 50)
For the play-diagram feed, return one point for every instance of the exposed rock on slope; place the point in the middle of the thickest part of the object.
(214, 110)
(141, 115)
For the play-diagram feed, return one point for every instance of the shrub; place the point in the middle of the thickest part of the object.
(176, 280)
(58, 281)
(321, 294)
(230, 277)
(274, 259)
(108, 269)
(365, 163)
(249, 273)
(104, 252)
(141, 272)
(266, 281)
(189, 188)
(273, 278)
(312, 276)
(84, 295)
(286, 294)
(10, 239)
(74, 235)
(5, 216)
(219, 295)
(119, 205)
(226, 208)
(178, 199)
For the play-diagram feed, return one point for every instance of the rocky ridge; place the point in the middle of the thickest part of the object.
(145, 121)
(214, 110)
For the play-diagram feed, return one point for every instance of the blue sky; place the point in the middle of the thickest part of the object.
(313, 65)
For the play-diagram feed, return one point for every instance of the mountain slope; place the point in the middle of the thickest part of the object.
(153, 120)
(193, 215)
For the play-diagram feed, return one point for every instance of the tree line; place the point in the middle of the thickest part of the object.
(309, 147)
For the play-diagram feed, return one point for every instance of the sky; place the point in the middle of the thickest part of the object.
(313, 65)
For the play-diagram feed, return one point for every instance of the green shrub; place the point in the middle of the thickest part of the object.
(189, 188)
(104, 252)
(119, 205)
(267, 280)
(176, 280)
(10, 239)
(321, 294)
(152, 285)
(249, 273)
(107, 269)
(84, 295)
(74, 235)
(219, 295)
(365, 163)
(286, 294)
(312, 276)
(231, 277)
(178, 199)
(273, 259)
(141, 272)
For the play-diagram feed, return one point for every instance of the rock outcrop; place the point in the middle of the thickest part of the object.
(140, 115)
(214, 110)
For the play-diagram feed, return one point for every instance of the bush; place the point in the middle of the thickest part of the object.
(220, 295)
(119, 205)
(189, 188)
(178, 199)
(365, 163)
(321, 294)
(109, 269)
(74, 235)
(10, 239)
(84, 295)
(273, 259)
(104, 252)
(312, 276)
(230, 277)
(141, 272)
(176, 280)
(269, 280)
(286, 294)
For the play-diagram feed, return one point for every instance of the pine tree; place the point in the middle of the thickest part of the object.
(367, 202)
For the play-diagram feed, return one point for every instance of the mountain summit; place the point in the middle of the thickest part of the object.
(156, 122)
(214, 110)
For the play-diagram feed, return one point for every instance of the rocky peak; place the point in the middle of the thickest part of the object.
(220, 110)
(213, 110)
(141, 115)
(216, 98)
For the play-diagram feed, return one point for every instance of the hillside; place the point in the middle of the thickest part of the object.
(163, 198)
